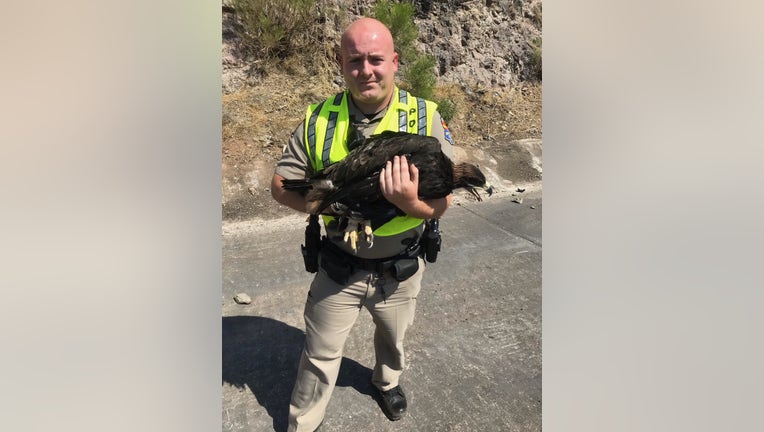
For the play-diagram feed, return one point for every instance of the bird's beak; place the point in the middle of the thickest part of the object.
(488, 189)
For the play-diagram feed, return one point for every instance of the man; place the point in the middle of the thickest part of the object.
(348, 280)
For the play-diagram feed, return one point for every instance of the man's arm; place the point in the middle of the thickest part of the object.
(399, 183)
(290, 199)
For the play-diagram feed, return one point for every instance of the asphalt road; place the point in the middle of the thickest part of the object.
(473, 354)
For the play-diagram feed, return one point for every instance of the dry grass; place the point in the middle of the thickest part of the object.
(486, 114)
(264, 115)
(242, 116)
(258, 120)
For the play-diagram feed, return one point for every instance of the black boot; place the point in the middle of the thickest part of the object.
(393, 403)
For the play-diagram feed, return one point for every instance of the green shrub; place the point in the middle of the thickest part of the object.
(276, 29)
(419, 77)
(447, 109)
(399, 18)
(536, 58)
(417, 70)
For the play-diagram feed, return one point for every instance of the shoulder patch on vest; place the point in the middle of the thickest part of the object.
(446, 132)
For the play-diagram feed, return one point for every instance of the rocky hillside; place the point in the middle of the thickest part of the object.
(487, 63)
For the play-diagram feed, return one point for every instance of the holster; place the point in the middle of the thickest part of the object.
(312, 246)
(431, 241)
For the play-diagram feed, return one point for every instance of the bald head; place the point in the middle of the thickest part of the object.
(369, 63)
(366, 29)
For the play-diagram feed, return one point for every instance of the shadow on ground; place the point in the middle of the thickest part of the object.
(262, 354)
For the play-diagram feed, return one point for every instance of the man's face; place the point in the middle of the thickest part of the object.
(369, 64)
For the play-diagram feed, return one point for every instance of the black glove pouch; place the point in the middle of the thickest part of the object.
(404, 268)
(337, 268)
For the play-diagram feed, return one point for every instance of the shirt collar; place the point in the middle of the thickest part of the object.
(360, 117)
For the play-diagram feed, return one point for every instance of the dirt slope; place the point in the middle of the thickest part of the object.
(482, 49)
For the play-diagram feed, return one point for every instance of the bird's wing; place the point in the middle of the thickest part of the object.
(376, 150)
(356, 177)
(359, 191)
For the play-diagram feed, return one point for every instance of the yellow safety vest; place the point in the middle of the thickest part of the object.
(326, 129)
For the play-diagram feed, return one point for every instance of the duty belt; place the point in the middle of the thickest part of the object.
(378, 265)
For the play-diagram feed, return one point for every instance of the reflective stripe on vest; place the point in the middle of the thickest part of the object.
(402, 113)
(326, 129)
(327, 122)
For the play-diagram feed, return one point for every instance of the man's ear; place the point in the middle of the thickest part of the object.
(395, 60)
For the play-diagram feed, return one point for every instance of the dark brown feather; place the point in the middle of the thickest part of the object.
(354, 181)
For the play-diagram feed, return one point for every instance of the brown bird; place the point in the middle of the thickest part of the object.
(353, 182)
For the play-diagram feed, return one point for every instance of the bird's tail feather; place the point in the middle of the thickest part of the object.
(315, 191)
(299, 185)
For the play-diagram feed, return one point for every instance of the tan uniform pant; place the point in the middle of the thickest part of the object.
(330, 312)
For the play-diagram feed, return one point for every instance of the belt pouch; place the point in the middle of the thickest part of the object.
(404, 268)
(336, 266)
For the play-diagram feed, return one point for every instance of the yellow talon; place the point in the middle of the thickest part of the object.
(369, 235)
(354, 240)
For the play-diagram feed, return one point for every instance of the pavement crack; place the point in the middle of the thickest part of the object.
(495, 225)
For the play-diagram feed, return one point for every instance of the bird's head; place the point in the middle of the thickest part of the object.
(469, 176)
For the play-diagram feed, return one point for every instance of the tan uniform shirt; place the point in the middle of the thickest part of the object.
(295, 161)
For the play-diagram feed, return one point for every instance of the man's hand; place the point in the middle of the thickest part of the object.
(399, 183)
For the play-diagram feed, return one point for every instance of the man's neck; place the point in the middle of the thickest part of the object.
(369, 110)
